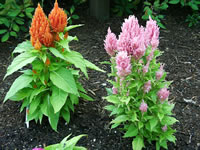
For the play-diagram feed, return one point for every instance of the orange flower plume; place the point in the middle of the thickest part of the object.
(40, 29)
(57, 18)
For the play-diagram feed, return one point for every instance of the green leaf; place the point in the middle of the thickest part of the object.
(113, 99)
(132, 131)
(20, 83)
(109, 107)
(56, 53)
(160, 116)
(78, 60)
(171, 138)
(19, 62)
(153, 123)
(19, 21)
(12, 33)
(157, 145)
(75, 17)
(167, 120)
(22, 47)
(74, 99)
(64, 80)
(29, 15)
(86, 97)
(21, 94)
(44, 104)
(92, 66)
(138, 143)
(72, 142)
(164, 144)
(29, 10)
(66, 115)
(15, 27)
(58, 98)
(34, 104)
(53, 117)
(5, 37)
(3, 31)
(174, 1)
(119, 119)
(13, 13)
(54, 147)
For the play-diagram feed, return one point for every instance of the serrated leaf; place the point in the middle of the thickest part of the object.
(167, 120)
(20, 83)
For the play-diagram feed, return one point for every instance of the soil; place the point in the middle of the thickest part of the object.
(180, 45)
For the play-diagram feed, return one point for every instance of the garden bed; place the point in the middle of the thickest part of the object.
(182, 60)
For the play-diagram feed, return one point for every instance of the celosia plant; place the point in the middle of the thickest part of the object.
(65, 144)
(140, 92)
(51, 88)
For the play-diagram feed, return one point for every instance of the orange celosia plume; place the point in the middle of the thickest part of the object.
(40, 29)
(57, 18)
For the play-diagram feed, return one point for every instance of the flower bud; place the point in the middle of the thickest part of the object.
(164, 128)
(163, 94)
(159, 73)
(115, 91)
(147, 86)
(143, 107)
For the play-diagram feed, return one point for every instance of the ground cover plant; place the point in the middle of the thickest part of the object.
(52, 87)
(65, 144)
(140, 92)
(180, 45)
(13, 15)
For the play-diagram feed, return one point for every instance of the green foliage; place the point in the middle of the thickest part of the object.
(124, 7)
(66, 144)
(155, 8)
(49, 89)
(12, 17)
(125, 104)
(194, 19)
(71, 15)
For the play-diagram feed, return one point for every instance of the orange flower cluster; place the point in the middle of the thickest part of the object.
(44, 32)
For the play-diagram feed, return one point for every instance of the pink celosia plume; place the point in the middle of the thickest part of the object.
(123, 62)
(132, 38)
(159, 73)
(110, 43)
(163, 94)
(146, 68)
(152, 33)
(147, 86)
(38, 149)
(115, 91)
(143, 107)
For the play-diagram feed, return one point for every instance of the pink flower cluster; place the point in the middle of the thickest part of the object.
(134, 39)
(159, 73)
(38, 149)
(163, 94)
(123, 62)
(152, 33)
(114, 90)
(110, 43)
(143, 107)
(147, 86)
